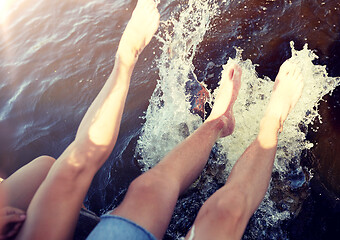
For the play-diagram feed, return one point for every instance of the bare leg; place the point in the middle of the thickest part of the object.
(22, 185)
(151, 198)
(54, 209)
(227, 212)
(3, 202)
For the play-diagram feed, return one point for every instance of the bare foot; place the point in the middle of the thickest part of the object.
(286, 92)
(226, 97)
(139, 31)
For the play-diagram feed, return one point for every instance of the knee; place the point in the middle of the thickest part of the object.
(46, 161)
(233, 206)
(78, 162)
(154, 185)
(228, 208)
(43, 163)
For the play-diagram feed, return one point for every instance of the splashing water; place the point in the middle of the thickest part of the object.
(254, 96)
(168, 117)
(169, 121)
(249, 109)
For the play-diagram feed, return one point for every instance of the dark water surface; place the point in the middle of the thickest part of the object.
(56, 55)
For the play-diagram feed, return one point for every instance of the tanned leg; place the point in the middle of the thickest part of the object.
(151, 198)
(227, 212)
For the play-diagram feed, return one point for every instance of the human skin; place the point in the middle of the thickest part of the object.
(54, 209)
(226, 213)
(151, 198)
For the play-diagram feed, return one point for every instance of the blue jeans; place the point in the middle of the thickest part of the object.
(118, 228)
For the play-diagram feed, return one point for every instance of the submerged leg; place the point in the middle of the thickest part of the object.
(226, 213)
(151, 198)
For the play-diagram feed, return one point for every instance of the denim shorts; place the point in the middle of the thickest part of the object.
(119, 228)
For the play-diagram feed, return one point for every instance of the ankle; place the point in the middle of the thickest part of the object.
(214, 124)
(126, 54)
(270, 123)
(220, 125)
(269, 131)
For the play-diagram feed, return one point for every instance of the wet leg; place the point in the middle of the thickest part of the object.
(227, 212)
(151, 198)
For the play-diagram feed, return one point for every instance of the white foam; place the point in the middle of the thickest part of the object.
(168, 114)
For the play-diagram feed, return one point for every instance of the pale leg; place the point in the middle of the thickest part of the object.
(23, 184)
(227, 212)
(151, 198)
(54, 209)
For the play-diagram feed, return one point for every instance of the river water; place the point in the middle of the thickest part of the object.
(56, 55)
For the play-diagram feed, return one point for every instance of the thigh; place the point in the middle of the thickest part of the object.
(23, 184)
